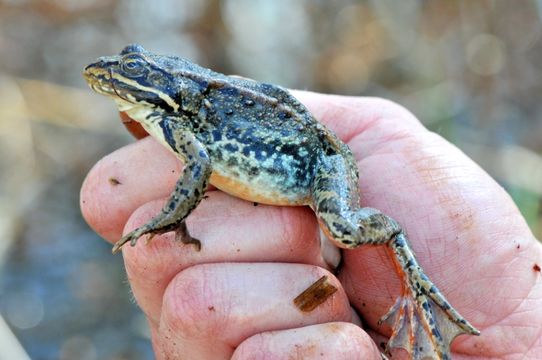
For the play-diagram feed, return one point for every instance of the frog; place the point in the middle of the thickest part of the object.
(257, 142)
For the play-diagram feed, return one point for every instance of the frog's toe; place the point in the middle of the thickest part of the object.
(118, 245)
(186, 238)
(421, 328)
(183, 235)
(131, 237)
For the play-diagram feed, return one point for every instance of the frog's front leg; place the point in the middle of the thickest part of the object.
(422, 320)
(189, 190)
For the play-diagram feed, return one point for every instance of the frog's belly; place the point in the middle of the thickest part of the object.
(257, 190)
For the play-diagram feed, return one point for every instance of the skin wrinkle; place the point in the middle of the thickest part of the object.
(189, 294)
(536, 341)
(288, 232)
(512, 312)
(343, 340)
(388, 289)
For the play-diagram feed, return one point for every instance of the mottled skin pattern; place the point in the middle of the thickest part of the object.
(257, 142)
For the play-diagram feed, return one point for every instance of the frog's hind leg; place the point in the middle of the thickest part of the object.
(422, 320)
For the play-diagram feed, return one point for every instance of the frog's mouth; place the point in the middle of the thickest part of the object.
(101, 80)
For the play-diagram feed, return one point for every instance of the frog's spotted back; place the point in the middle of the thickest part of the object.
(256, 141)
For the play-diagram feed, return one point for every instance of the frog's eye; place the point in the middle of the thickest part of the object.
(133, 66)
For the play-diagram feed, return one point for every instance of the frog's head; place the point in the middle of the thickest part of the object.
(137, 78)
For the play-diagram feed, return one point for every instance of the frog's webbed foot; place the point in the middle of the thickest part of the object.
(423, 322)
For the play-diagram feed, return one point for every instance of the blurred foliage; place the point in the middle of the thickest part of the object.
(470, 70)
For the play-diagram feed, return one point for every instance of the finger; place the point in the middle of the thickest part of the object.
(334, 340)
(231, 230)
(223, 304)
(123, 181)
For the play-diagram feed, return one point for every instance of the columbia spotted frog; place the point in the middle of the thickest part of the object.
(257, 142)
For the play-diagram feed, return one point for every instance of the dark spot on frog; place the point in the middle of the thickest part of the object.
(229, 91)
(215, 154)
(217, 136)
(255, 204)
(113, 181)
(340, 227)
(231, 147)
(232, 161)
(518, 246)
(211, 308)
(228, 111)
(536, 267)
(425, 305)
(283, 115)
(292, 149)
(253, 171)
(256, 149)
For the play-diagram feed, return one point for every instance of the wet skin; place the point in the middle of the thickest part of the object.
(257, 142)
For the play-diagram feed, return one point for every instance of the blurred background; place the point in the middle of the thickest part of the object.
(471, 71)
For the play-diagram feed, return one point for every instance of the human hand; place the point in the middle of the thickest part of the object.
(234, 298)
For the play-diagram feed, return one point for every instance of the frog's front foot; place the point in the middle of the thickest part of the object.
(423, 322)
(181, 234)
(131, 237)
